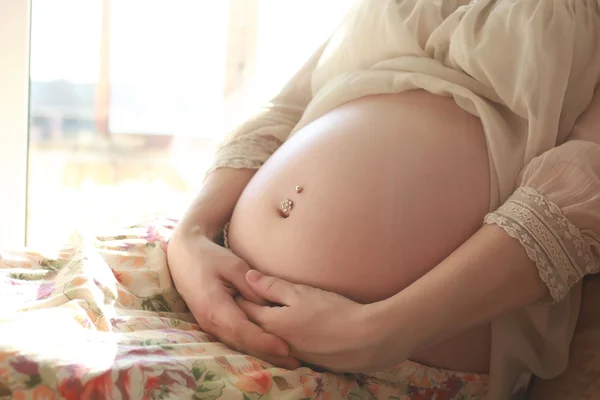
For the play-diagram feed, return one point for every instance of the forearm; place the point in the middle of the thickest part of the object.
(214, 204)
(489, 276)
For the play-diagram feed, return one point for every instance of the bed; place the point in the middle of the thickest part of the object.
(100, 319)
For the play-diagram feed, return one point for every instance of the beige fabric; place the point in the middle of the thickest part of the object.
(527, 69)
(558, 221)
(581, 380)
(251, 144)
(555, 214)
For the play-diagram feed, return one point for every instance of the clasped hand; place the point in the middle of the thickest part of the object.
(321, 327)
(234, 303)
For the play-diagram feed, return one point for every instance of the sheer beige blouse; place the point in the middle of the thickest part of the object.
(528, 69)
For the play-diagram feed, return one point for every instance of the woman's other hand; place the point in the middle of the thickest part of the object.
(324, 328)
(208, 277)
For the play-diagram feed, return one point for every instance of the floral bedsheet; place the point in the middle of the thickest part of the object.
(100, 319)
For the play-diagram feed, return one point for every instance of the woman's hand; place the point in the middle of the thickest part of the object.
(323, 328)
(208, 277)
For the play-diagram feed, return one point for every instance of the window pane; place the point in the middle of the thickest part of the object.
(129, 97)
(14, 74)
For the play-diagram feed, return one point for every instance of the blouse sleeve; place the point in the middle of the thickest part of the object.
(555, 214)
(252, 143)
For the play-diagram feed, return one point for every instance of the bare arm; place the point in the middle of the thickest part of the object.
(214, 204)
(490, 275)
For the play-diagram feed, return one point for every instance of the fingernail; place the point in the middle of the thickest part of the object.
(253, 275)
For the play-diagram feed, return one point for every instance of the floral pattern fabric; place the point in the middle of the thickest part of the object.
(101, 319)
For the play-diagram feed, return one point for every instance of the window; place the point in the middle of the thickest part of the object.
(127, 99)
(14, 92)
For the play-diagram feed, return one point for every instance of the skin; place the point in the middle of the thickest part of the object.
(209, 279)
(208, 276)
(490, 262)
(389, 193)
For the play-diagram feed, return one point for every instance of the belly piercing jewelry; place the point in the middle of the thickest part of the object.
(286, 206)
(298, 189)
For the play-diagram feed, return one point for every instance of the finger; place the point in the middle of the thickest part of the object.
(273, 289)
(254, 336)
(236, 275)
(255, 312)
(282, 362)
(229, 323)
(248, 307)
(250, 339)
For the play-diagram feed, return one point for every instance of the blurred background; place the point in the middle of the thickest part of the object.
(129, 97)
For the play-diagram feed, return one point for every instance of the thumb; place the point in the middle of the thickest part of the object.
(275, 290)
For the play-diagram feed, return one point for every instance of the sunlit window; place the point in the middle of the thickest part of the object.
(129, 97)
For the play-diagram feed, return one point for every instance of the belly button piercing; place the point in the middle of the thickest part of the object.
(285, 207)
(298, 189)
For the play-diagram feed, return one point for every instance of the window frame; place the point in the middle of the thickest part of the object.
(15, 23)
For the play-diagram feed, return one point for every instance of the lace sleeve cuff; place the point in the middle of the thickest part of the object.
(246, 152)
(557, 247)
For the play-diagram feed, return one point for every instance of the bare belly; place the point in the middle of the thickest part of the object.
(391, 185)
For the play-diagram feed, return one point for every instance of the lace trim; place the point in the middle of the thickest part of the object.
(557, 247)
(233, 163)
(252, 146)
(245, 152)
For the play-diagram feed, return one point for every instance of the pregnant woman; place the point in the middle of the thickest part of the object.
(425, 188)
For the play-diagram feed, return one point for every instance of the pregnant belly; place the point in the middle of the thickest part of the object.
(391, 185)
